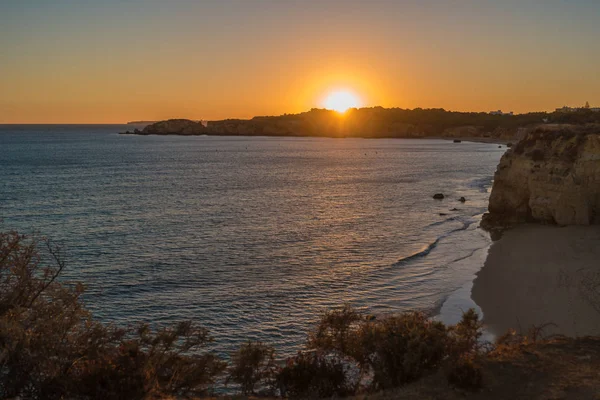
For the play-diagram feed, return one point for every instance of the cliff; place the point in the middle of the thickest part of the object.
(551, 176)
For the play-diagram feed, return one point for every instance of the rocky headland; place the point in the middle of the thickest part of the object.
(551, 176)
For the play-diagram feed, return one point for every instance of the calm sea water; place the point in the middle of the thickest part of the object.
(250, 237)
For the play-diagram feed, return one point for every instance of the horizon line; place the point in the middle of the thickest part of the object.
(272, 115)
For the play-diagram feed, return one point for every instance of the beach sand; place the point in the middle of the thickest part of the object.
(541, 274)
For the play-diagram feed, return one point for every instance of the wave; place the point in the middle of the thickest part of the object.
(430, 246)
(438, 223)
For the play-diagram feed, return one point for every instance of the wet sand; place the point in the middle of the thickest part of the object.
(536, 275)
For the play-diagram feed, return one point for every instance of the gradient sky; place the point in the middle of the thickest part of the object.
(110, 61)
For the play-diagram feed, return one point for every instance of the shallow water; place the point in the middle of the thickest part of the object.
(251, 237)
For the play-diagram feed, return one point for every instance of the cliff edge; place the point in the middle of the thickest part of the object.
(551, 176)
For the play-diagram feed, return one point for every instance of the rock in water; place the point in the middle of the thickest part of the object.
(438, 196)
(551, 176)
(462, 199)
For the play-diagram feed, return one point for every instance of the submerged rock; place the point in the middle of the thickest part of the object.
(550, 176)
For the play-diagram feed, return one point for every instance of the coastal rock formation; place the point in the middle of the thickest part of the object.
(175, 127)
(550, 176)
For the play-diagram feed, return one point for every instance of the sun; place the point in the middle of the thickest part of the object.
(341, 101)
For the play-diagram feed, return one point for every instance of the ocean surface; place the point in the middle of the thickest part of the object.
(251, 237)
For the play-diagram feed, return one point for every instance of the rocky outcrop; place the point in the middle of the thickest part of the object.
(174, 127)
(551, 176)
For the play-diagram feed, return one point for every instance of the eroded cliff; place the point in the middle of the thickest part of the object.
(552, 176)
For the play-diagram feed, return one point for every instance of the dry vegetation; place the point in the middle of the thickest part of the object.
(52, 348)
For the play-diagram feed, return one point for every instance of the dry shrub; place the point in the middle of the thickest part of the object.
(253, 364)
(393, 350)
(464, 349)
(337, 332)
(51, 348)
(311, 375)
(512, 343)
(403, 348)
(465, 336)
(399, 349)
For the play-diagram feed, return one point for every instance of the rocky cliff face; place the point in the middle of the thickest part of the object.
(552, 176)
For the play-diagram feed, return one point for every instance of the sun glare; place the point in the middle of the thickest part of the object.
(341, 101)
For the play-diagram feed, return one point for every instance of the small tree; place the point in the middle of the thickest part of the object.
(464, 352)
(253, 363)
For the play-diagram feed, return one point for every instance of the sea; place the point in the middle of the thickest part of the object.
(251, 237)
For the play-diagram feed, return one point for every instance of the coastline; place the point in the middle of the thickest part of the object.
(473, 139)
(538, 275)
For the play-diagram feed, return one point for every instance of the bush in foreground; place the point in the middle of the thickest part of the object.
(311, 375)
(399, 349)
(51, 348)
(253, 364)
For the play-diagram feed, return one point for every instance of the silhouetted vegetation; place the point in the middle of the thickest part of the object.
(396, 349)
(313, 375)
(251, 365)
(51, 348)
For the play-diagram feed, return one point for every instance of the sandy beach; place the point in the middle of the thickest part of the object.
(536, 275)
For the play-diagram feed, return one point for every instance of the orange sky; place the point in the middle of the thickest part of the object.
(83, 62)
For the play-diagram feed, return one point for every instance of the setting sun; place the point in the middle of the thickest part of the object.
(341, 101)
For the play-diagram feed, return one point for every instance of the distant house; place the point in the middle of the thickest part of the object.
(499, 112)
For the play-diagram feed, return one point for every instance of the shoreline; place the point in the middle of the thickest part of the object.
(487, 140)
(542, 276)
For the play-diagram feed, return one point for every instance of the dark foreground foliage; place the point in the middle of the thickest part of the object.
(313, 375)
(399, 349)
(251, 366)
(52, 348)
